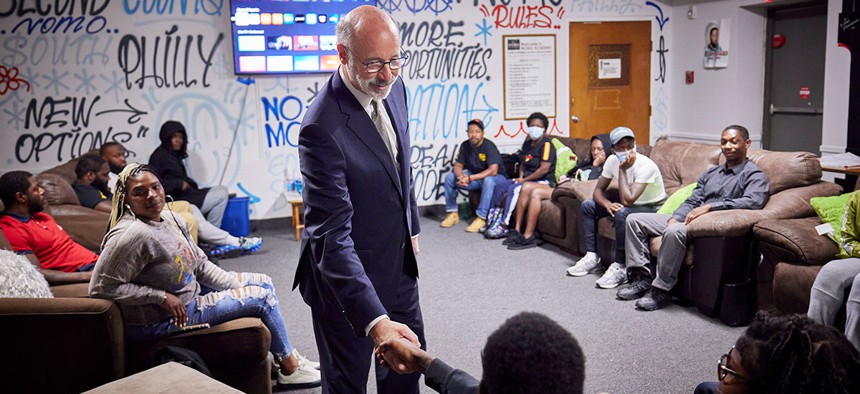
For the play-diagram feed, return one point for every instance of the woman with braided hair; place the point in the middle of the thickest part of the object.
(787, 354)
(162, 281)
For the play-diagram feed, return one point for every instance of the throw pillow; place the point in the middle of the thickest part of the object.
(831, 210)
(676, 199)
(20, 278)
(565, 159)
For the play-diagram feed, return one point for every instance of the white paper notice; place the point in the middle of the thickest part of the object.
(529, 84)
(608, 68)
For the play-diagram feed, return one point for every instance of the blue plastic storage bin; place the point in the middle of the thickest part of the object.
(236, 217)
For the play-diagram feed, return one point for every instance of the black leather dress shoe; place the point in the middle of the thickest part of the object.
(637, 289)
(654, 299)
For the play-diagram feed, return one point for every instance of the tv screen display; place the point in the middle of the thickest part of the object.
(287, 37)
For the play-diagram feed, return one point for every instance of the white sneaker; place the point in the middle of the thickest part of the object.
(303, 359)
(614, 276)
(305, 376)
(584, 266)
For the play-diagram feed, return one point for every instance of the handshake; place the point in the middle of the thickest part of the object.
(403, 356)
(398, 348)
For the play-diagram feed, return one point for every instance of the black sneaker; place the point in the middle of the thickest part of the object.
(523, 243)
(512, 236)
(635, 290)
(654, 299)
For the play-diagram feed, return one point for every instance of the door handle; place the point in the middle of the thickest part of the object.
(575, 119)
(795, 110)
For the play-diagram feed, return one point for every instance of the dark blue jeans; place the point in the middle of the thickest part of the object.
(592, 212)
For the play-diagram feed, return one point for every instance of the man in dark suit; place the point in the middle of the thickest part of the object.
(357, 269)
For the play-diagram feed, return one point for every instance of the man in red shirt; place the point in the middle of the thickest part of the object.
(37, 236)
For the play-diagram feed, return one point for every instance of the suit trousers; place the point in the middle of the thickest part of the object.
(641, 227)
(345, 359)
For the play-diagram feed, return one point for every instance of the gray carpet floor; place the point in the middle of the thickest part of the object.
(469, 286)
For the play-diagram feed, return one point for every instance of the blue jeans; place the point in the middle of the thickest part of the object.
(592, 212)
(256, 299)
(486, 185)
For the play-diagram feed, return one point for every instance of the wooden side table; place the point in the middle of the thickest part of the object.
(298, 221)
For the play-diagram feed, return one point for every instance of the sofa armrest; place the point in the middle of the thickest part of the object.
(84, 225)
(787, 204)
(60, 345)
(235, 351)
(574, 189)
(795, 241)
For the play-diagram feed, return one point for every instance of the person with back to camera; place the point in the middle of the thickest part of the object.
(529, 353)
(786, 355)
(162, 281)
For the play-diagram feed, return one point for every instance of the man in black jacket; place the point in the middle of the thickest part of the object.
(167, 160)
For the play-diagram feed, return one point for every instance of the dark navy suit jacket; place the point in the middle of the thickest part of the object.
(360, 210)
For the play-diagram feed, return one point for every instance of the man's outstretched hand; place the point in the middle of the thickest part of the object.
(403, 356)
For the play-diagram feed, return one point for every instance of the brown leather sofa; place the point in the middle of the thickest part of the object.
(72, 343)
(792, 254)
(720, 267)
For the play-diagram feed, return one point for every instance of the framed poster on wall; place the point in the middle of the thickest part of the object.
(529, 75)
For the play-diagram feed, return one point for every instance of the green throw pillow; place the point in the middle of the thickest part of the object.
(832, 210)
(676, 199)
(565, 159)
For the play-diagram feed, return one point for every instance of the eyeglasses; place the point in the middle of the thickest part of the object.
(723, 369)
(376, 66)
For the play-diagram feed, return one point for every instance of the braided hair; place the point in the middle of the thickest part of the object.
(793, 354)
(118, 205)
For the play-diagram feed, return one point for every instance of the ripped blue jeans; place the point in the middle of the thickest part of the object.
(256, 299)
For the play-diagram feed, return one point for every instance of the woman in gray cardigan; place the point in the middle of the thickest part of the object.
(163, 282)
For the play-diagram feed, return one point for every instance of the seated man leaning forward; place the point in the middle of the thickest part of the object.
(37, 236)
(640, 189)
(476, 168)
(739, 184)
(91, 185)
(529, 353)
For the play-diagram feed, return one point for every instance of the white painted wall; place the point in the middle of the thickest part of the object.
(837, 74)
(719, 97)
(59, 70)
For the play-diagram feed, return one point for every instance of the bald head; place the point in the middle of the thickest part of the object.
(363, 21)
(369, 48)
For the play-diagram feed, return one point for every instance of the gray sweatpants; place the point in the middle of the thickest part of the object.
(641, 227)
(828, 292)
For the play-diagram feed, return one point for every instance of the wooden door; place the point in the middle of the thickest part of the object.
(610, 78)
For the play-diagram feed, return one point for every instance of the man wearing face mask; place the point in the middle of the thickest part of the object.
(738, 184)
(640, 189)
(91, 184)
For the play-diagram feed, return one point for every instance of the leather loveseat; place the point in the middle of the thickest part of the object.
(720, 266)
(792, 254)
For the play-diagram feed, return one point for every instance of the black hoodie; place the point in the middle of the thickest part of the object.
(587, 163)
(168, 164)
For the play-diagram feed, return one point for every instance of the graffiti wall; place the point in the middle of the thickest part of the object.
(77, 73)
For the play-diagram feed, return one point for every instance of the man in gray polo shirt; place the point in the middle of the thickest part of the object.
(739, 184)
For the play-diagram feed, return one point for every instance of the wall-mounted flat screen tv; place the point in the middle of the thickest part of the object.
(287, 37)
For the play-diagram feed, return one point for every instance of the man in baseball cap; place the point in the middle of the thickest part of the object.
(640, 189)
(475, 168)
